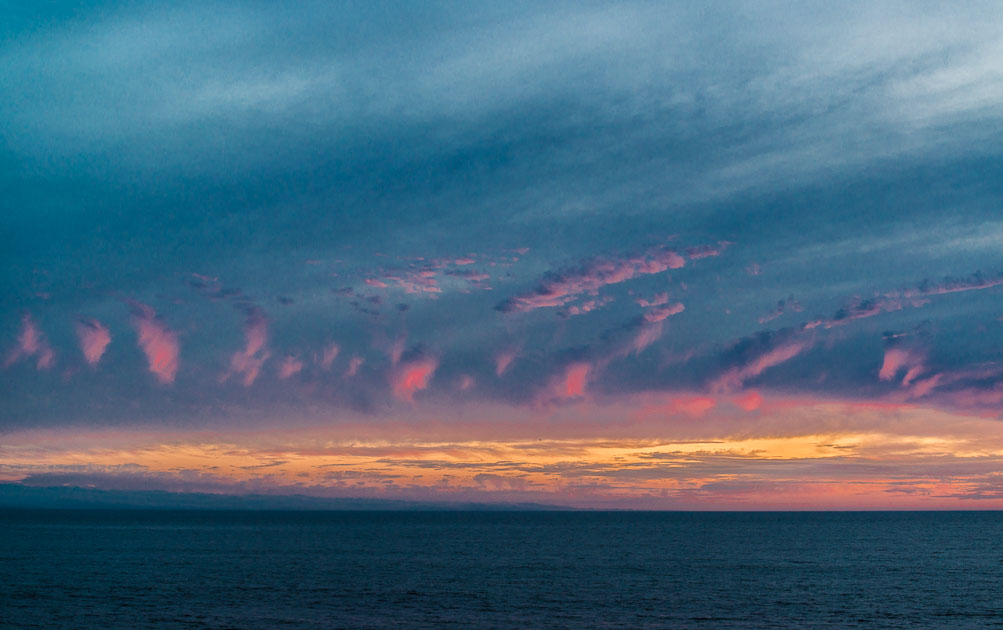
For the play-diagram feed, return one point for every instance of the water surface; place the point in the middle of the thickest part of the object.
(202, 569)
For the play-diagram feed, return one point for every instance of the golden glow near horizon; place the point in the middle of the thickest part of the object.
(924, 458)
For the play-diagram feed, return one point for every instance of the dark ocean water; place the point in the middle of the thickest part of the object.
(175, 569)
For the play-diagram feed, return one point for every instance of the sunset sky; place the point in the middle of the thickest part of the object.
(641, 255)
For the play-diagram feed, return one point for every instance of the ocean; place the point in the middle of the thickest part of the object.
(218, 569)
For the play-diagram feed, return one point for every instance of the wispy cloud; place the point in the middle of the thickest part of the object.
(31, 342)
(248, 362)
(158, 342)
(290, 366)
(94, 338)
(413, 374)
(558, 288)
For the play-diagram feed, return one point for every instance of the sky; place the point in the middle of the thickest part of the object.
(738, 255)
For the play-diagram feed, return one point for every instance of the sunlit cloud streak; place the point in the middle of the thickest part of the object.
(503, 360)
(31, 342)
(774, 354)
(558, 288)
(158, 342)
(94, 338)
(249, 361)
(328, 356)
(413, 374)
(353, 366)
(290, 366)
(786, 305)
(858, 308)
(572, 383)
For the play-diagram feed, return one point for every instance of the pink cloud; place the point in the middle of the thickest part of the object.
(924, 387)
(290, 366)
(329, 355)
(787, 305)
(413, 376)
(397, 350)
(373, 282)
(503, 360)
(749, 401)
(646, 335)
(574, 382)
(353, 365)
(706, 251)
(974, 282)
(585, 307)
(898, 300)
(94, 338)
(657, 300)
(693, 406)
(422, 281)
(733, 378)
(249, 361)
(557, 289)
(466, 382)
(158, 342)
(897, 359)
(32, 343)
(658, 313)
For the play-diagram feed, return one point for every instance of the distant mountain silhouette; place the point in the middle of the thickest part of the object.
(14, 495)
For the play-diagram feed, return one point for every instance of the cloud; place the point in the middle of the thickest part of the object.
(858, 308)
(573, 383)
(647, 334)
(31, 343)
(694, 406)
(413, 375)
(396, 350)
(768, 350)
(158, 342)
(707, 251)
(559, 288)
(329, 355)
(658, 313)
(290, 366)
(897, 359)
(786, 305)
(248, 362)
(94, 338)
(975, 282)
(657, 300)
(749, 401)
(353, 366)
(503, 360)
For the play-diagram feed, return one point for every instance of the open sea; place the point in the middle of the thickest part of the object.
(202, 569)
